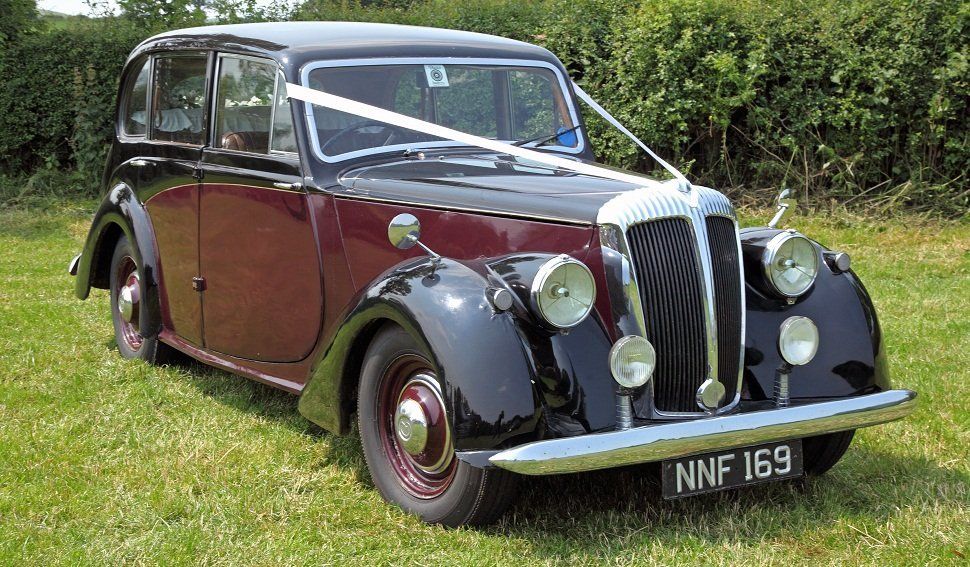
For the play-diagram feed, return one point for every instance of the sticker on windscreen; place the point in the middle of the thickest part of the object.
(436, 75)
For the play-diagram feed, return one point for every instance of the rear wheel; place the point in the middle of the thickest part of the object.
(822, 452)
(129, 313)
(407, 440)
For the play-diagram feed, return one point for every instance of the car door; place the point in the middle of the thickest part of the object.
(169, 186)
(263, 290)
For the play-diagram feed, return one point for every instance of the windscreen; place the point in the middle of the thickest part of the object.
(511, 103)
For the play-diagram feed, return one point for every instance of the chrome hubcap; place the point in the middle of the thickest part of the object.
(411, 426)
(128, 297)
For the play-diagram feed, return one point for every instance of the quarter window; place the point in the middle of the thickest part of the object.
(179, 98)
(283, 139)
(244, 108)
(135, 99)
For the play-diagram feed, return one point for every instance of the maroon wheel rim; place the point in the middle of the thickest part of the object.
(413, 427)
(126, 276)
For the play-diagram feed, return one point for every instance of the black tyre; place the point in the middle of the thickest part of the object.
(407, 440)
(822, 452)
(129, 313)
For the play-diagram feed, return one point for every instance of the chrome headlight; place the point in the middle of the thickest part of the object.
(791, 263)
(563, 292)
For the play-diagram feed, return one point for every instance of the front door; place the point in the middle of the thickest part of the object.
(263, 295)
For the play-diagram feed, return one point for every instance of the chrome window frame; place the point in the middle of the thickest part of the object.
(125, 97)
(207, 133)
(213, 126)
(380, 61)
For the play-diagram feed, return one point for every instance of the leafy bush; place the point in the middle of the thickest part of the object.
(850, 100)
(57, 104)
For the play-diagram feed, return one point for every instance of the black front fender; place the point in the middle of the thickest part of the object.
(851, 358)
(484, 366)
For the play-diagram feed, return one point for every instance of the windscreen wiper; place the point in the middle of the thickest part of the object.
(539, 140)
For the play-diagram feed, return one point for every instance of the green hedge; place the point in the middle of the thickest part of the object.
(57, 103)
(840, 99)
(851, 100)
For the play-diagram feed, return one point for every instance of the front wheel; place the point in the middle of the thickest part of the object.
(129, 312)
(408, 444)
(822, 452)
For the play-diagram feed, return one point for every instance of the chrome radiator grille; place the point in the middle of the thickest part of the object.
(664, 255)
(723, 240)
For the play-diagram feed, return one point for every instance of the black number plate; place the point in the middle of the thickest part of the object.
(727, 469)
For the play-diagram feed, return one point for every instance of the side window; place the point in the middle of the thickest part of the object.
(244, 104)
(283, 138)
(135, 101)
(179, 97)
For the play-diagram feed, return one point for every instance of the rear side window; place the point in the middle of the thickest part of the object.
(179, 99)
(244, 104)
(135, 110)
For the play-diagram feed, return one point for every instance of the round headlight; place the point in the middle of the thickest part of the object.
(632, 360)
(791, 263)
(798, 340)
(563, 292)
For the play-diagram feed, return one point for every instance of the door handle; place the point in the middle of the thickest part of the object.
(288, 186)
(139, 162)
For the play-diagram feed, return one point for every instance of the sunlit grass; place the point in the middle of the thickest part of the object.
(110, 461)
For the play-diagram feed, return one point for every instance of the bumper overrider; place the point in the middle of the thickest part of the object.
(682, 438)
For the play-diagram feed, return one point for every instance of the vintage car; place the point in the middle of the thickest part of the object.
(407, 228)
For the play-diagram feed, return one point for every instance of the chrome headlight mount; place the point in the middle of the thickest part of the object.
(790, 262)
(563, 292)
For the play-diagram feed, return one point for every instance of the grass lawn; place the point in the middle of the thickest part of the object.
(104, 460)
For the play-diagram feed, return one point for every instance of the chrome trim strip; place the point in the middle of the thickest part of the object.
(682, 438)
(667, 201)
(447, 207)
(377, 61)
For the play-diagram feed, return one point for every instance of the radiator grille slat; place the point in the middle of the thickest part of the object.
(723, 241)
(666, 264)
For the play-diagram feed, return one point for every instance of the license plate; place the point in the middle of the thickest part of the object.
(711, 472)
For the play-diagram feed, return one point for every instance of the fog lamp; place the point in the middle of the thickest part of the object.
(798, 340)
(632, 360)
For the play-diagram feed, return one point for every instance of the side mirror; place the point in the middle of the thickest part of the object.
(786, 204)
(404, 231)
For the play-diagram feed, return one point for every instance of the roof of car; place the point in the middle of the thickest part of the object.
(294, 43)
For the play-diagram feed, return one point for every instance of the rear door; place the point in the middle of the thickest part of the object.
(169, 184)
(263, 292)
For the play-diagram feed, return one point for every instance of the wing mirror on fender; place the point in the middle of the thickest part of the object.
(404, 232)
(786, 204)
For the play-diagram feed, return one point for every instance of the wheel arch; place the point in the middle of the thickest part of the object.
(490, 399)
(121, 214)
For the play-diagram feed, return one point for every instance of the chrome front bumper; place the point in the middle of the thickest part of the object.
(682, 438)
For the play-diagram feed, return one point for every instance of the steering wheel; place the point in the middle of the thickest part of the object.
(391, 129)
